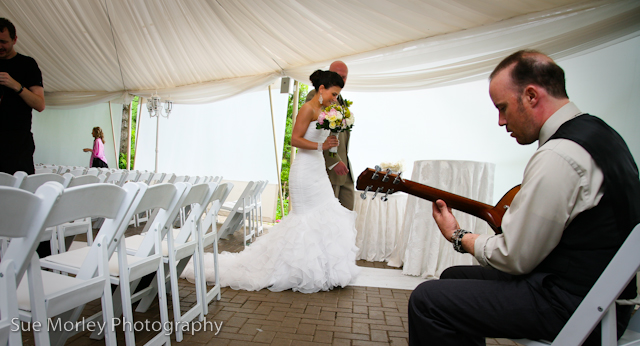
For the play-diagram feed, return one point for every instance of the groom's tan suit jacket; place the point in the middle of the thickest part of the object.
(341, 155)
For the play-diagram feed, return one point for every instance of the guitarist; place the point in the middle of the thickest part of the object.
(579, 200)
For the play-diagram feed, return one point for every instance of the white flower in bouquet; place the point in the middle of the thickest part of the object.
(393, 166)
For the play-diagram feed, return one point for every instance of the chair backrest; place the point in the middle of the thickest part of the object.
(260, 189)
(114, 178)
(77, 172)
(24, 216)
(181, 179)
(161, 217)
(169, 178)
(130, 176)
(596, 304)
(219, 196)
(92, 171)
(32, 182)
(46, 170)
(620, 271)
(113, 203)
(145, 177)
(10, 180)
(198, 197)
(157, 178)
(84, 180)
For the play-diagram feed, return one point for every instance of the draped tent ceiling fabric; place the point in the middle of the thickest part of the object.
(202, 51)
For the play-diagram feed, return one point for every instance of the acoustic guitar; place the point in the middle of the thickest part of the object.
(387, 183)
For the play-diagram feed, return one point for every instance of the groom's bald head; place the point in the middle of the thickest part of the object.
(340, 68)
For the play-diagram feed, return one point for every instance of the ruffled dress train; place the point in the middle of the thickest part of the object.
(310, 250)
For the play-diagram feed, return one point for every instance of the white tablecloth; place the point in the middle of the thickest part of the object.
(421, 249)
(378, 224)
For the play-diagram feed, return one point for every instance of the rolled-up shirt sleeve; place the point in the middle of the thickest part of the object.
(553, 186)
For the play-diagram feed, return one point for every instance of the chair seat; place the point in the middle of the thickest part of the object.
(71, 259)
(52, 283)
(133, 242)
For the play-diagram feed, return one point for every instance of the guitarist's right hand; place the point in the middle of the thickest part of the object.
(447, 223)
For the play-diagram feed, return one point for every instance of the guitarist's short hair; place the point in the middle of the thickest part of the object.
(534, 67)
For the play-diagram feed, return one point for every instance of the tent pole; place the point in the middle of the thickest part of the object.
(140, 99)
(275, 151)
(129, 137)
(113, 135)
(294, 115)
(157, 134)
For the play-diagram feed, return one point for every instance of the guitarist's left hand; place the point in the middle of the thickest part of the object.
(445, 219)
(448, 224)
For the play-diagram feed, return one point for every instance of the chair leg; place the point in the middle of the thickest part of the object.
(107, 302)
(125, 289)
(38, 308)
(609, 329)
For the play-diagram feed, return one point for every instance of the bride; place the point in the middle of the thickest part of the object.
(313, 248)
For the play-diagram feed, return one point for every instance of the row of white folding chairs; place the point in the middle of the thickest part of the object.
(190, 242)
(245, 212)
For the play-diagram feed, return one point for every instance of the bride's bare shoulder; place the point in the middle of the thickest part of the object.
(307, 111)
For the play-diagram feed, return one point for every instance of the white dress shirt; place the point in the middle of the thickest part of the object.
(561, 180)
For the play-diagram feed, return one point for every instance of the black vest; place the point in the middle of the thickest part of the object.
(592, 239)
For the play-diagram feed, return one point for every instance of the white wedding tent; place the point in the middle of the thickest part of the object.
(417, 74)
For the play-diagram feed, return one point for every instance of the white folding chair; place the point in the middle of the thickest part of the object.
(168, 178)
(39, 170)
(599, 304)
(82, 226)
(92, 171)
(23, 215)
(156, 178)
(115, 178)
(12, 180)
(77, 172)
(126, 270)
(257, 208)
(211, 238)
(144, 177)
(65, 296)
(31, 183)
(180, 249)
(239, 214)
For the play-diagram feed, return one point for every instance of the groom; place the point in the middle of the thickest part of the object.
(338, 166)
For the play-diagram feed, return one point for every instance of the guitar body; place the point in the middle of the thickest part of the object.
(382, 182)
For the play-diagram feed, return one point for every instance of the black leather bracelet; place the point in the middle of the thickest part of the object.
(21, 88)
(457, 239)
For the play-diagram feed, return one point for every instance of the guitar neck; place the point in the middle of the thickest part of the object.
(469, 206)
(386, 182)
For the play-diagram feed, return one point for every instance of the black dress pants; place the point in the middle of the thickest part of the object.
(470, 303)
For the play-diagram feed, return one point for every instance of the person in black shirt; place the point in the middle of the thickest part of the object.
(21, 91)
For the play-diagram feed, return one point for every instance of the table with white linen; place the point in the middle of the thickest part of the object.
(420, 247)
(378, 224)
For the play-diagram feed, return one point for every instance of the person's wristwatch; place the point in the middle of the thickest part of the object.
(21, 88)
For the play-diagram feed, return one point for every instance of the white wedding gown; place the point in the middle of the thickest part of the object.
(311, 249)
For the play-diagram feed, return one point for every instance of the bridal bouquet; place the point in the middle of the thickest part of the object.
(336, 118)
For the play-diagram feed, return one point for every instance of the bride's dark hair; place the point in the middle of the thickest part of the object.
(326, 78)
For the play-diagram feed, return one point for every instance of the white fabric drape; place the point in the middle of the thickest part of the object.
(421, 249)
(198, 51)
(379, 224)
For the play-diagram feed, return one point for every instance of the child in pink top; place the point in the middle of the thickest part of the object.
(98, 159)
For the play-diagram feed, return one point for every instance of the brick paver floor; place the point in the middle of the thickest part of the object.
(342, 316)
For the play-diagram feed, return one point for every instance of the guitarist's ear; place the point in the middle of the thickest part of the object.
(531, 95)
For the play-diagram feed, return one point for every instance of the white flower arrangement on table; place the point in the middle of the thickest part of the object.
(395, 167)
(336, 118)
